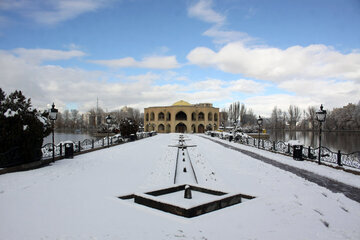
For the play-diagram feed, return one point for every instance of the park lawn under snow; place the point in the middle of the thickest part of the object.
(77, 198)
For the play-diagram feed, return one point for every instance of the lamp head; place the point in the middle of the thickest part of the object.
(321, 114)
(53, 113)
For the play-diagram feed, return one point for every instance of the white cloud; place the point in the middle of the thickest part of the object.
(51, 83)
(52, 11)
(41, 55)
(203, 11)
(246, 86)
(274, 64)
(154, 62)
(263, 105)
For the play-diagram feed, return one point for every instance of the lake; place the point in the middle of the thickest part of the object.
(68, 135)
(347, 142)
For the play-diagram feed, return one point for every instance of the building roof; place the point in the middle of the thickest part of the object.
(181, 103)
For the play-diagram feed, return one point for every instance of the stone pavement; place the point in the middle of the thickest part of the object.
(334, 186)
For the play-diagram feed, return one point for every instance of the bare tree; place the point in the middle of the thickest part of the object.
(311, 116)
(293, 116)
(234, 111)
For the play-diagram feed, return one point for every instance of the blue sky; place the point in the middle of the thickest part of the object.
(142, 53)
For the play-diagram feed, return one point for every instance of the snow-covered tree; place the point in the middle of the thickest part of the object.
(128, 126)
(22, 129)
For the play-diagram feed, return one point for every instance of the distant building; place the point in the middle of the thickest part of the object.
(182, 117)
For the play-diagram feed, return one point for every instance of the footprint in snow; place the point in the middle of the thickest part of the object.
(318, 212)
(325, 223)
(340, 207)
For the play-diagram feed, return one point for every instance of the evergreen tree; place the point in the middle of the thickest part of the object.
(22, 129)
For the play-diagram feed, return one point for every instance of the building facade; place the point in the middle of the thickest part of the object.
(182, 117)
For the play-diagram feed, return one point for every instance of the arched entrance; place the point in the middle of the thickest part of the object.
(201, 128)
(180, 128)
(161, 128)
(193, 128)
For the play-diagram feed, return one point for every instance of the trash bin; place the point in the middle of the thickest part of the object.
(132, 137)
(69, 150)
(230, 138)
(212, 134)
(297, 152)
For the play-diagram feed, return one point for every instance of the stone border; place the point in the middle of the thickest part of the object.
(226, 201)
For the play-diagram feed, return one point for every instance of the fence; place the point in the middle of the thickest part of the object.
(12, 157)
(88, 144)
(338, 158)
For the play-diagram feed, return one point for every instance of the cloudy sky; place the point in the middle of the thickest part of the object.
(142, 53)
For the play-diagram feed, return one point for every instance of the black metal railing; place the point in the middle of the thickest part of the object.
(88, 144)
(337, 158)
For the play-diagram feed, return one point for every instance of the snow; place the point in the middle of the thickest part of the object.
(78, 198)
(10, 113)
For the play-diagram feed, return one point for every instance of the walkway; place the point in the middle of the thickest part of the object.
(334, 186)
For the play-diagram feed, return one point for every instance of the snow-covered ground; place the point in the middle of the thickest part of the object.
(77, 198)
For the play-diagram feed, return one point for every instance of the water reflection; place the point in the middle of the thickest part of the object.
(345, 141)
(68, 135)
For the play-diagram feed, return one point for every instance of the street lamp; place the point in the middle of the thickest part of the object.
(108, 121)
(320, 116)
(259, 122)
(52, 116)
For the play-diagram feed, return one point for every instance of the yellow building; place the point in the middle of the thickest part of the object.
(182, 117)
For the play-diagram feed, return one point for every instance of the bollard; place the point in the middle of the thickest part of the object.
(254, 142)
(60, 149)
(274, 146)
(187, 193)
(79, 146)
(262, 143)
(92, 143)
(288, 151)
(184, 170)
(339, 158)
(183, 159)
(103, 142)
(247, 141)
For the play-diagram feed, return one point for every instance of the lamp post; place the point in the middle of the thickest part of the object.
(259, 122)
(52, 116)
(320, 116)
(108, 121)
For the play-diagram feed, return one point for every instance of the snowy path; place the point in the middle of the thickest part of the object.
(335, 186)
(77, 199)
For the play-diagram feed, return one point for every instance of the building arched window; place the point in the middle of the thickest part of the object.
(215, 117)
(161, 116)
(168, 116)
(193, 116)
(181, 116)
(210, 116)
(201, 116)
(152, 116)
(147, 117)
